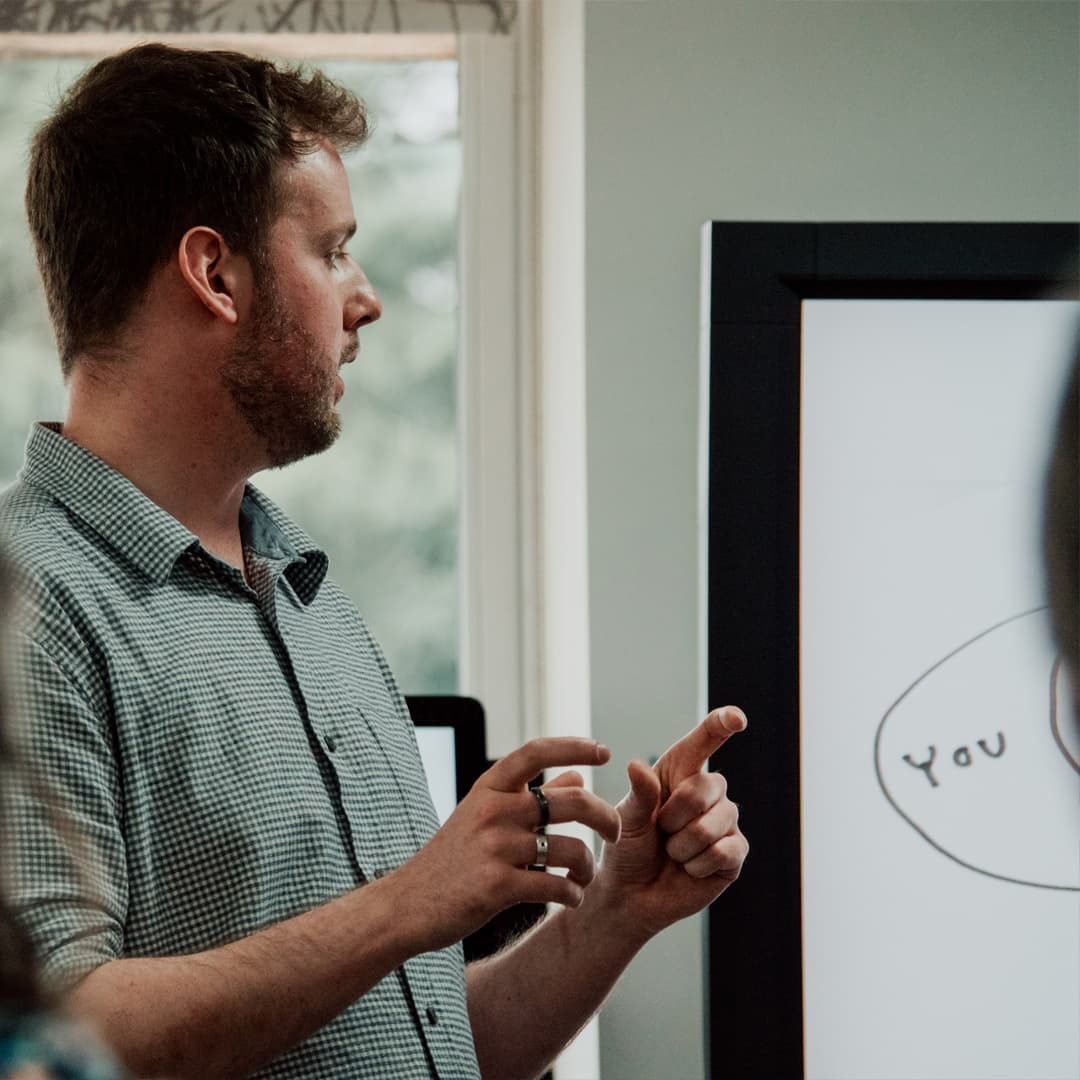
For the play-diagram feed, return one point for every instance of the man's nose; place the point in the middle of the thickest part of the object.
(363, 305)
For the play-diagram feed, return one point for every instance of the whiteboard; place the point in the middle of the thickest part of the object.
(940, 788)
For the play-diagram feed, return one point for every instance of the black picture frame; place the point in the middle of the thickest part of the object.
(760, 274)
(466, 716)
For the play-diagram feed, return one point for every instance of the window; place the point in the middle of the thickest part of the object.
(384, 500)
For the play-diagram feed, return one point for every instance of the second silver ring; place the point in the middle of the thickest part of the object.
(541, 850)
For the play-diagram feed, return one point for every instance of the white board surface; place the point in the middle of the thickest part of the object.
(940, 814)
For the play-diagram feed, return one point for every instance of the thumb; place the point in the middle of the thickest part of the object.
(641, 802)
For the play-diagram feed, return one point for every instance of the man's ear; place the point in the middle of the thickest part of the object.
(213, 272)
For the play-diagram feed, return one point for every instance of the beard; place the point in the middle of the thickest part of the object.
(280, 383)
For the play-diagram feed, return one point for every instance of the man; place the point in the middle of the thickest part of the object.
(266, 890)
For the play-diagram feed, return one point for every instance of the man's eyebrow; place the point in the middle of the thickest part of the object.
(340, 234)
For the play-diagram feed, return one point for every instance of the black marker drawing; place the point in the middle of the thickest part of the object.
(961, 758)
(978, 739)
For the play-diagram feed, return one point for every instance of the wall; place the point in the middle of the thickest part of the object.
(758, 110)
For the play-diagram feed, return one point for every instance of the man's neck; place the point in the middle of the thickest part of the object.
(177, 449)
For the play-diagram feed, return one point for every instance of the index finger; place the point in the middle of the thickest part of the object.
(691, 753)
(522, 764)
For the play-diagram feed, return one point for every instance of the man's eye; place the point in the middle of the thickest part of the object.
(336, 256)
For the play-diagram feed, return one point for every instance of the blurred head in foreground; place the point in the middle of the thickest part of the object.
(1061, 533)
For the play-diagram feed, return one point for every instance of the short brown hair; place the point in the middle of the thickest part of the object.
(151, 142)
(1061, 525)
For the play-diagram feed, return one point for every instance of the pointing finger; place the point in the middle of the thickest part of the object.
(692, 752)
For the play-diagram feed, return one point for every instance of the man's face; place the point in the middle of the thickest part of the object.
(310, 300)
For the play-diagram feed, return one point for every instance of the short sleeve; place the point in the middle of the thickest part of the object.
(64, 855)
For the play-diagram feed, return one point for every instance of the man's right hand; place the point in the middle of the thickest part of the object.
(476, 865)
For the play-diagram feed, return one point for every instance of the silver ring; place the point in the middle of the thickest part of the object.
(541, 850)
(545, 806)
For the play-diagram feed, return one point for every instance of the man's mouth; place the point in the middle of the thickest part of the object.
(348, 354)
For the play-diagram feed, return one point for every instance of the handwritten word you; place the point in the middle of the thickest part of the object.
(961, 756)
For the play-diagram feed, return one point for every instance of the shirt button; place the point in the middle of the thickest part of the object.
(331, 743)
(432, 1016)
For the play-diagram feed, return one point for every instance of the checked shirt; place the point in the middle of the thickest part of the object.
(219, 754)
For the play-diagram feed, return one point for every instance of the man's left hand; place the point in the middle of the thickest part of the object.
(680, 846)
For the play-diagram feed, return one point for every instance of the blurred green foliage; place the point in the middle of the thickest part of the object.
(383, 501)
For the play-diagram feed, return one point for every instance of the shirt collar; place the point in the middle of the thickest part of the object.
(148, 536)
(269, 532)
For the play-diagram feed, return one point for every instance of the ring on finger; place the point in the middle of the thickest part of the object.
(541, 851)
(544, 805)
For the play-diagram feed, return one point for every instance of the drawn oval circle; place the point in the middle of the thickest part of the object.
(971, 757)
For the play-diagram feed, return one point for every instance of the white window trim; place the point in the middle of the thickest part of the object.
(496, 449)
(524, 551)
(524, 546)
